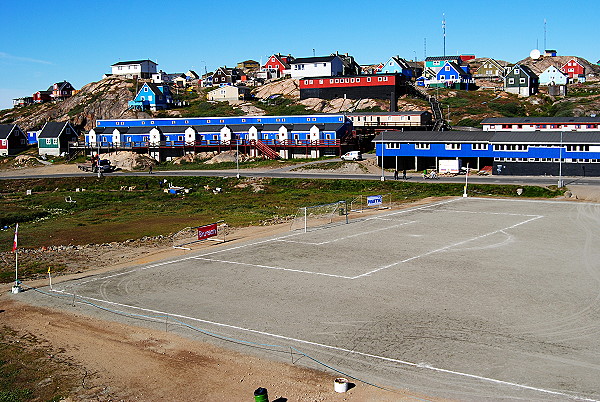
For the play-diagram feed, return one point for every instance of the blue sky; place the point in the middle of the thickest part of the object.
(49, 41)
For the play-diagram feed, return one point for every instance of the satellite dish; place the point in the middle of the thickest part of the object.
(535, 54)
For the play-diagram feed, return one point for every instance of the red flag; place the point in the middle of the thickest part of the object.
(15, 241)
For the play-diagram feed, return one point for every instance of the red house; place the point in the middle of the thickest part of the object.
(62, 90)
(43, 96)
(573, 69)
(276, 64)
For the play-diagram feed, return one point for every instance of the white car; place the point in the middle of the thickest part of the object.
(352, 156)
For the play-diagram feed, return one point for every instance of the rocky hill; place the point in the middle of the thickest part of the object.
(106, 98)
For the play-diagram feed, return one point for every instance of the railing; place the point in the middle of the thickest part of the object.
(204, 143)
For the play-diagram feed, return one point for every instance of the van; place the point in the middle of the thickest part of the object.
(352, 156)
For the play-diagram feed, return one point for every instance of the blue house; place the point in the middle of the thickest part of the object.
(452, 75)
(396, 64)
(153, 97)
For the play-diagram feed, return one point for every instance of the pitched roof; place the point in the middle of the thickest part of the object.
(444, 58)
(124, 63)
(543, 63)
(53, 129)
(323, 59)
(173, 129)
(208, 128)
(5, 130)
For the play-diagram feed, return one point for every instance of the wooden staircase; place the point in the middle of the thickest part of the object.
(266, 150)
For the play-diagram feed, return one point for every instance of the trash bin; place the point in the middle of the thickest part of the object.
(261, 395)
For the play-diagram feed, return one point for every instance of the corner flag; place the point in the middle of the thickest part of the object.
(16, 236)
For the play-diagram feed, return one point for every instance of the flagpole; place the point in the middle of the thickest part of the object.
(16, 288)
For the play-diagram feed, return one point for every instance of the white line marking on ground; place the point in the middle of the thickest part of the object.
(447, 247)
(350, 236)
(269, 267)
(350, 351)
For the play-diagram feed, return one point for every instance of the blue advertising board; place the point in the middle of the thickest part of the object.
(373, 200)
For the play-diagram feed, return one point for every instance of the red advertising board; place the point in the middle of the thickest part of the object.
(204, 232)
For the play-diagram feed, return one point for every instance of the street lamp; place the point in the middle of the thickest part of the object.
(237, 156)
(382, 150)
(560, 180)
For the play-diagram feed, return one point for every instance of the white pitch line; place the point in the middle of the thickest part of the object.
(350, 351)
(351, 236)
(487, 213)
(269, 267)
(447, 247)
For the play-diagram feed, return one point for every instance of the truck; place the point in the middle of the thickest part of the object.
(103, 165)
(449, 166)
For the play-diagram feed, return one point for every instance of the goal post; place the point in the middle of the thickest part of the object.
(317, 216)
(215, 231)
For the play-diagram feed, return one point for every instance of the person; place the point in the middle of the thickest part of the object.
(150, 169)
(404, 174)
(396, 174)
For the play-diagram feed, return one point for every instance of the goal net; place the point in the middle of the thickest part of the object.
(317, 216)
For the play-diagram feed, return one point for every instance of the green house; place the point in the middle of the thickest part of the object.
(55, 137)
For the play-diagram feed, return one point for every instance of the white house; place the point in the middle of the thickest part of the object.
(135, 69)
(229, 93)
(316, 67)
(553, 76)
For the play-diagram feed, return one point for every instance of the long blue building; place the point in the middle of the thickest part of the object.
(574, 153)
(272, 136)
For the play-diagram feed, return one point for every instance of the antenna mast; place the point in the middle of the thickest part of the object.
(545, 46)
(444, 30)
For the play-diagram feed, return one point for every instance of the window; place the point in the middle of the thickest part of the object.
(392, 145)
(511, 80)
(506, 126)
(479, 147)
(145, 89)
(151, 121)
(379, 79)
(447, 68)
(422, 145)
(305, 82)
(453, 77)
(522, 81)
(54, 141)
(368, 79)
(331, 81)
(453, 147)
(320, 81)
(358, 80)
(516, 72)
(310, 82)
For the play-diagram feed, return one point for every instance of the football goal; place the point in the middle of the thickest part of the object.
(318, 216)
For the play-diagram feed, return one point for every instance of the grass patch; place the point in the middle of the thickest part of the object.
(29, 373)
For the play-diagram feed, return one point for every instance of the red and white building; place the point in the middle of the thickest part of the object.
(378, 86)
(574, 69)
(541, 124)
(277, 64)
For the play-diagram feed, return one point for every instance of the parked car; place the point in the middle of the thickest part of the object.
(352, 156)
